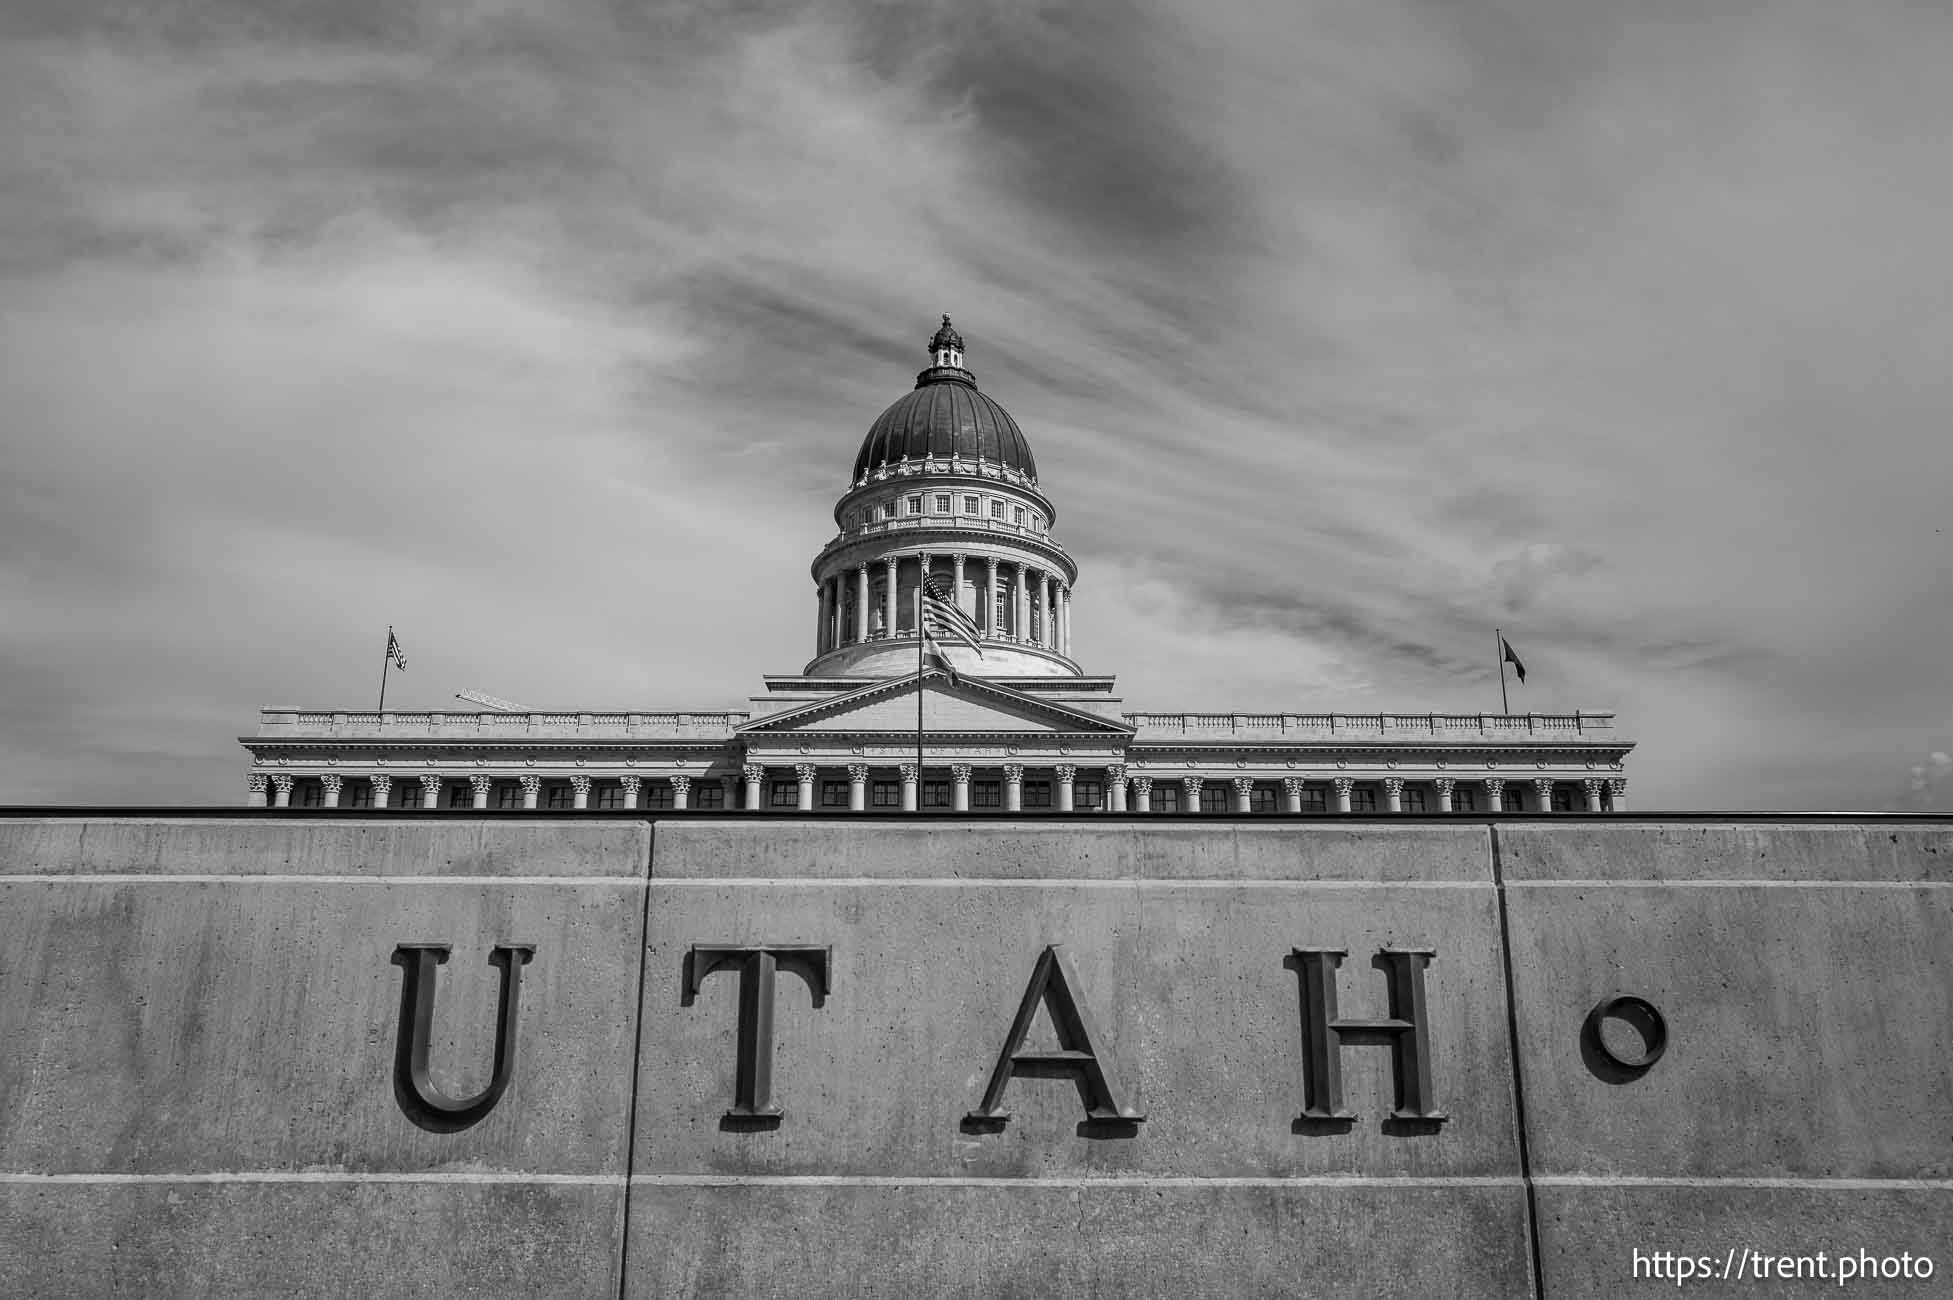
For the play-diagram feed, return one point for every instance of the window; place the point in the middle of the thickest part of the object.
(1315, 799)
(1413, 801)
(461, 796)
(888, 510)
(1513, 800)
(1166, 797)
(887, 794)
(942, 503)
(1037, 522)
(834, 794)
(1088, 794)
(1216, 798)
(1017, 515)
(559, 796)
(310, 794)
(786, 794)
(986, 794)
(1363, 799)
(915, 504)
(610, 795)
(508, 795)
(658, 794)
(709, 795)
(1562, 798)
(969, 505)
(1037, 794)
(1262, 799)
(1464, 799)
(936, 794)
(996, 510)
(362, 795)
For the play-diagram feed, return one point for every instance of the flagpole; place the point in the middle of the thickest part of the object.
(385, 663)
(1504, 707)
(918, 696)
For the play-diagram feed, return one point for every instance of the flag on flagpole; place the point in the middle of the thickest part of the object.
(942, 617)
(400, 660)
(1512, 659)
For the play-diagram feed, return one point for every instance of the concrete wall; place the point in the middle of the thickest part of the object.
(199, 1021)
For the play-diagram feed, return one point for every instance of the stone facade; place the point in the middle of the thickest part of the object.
(944, 491)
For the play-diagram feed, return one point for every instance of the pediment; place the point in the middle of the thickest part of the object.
(970, 706)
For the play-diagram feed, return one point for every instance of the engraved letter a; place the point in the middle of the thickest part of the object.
(422, 1102)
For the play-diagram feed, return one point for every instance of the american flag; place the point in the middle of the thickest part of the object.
(941, 618)
(393, 652)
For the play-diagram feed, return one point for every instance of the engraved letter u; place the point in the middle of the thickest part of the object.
(422, 1102)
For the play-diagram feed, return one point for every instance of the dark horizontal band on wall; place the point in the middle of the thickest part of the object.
(986, 815)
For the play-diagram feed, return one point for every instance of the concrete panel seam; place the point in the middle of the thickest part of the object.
(1062, 882)
(314, 1176)
(1753, 1184)
(1106, 1181)
(637, 1066)
(1731, 884)
(148, 879)
(1518, 1076)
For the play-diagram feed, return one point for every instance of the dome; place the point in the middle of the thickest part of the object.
(945, 416)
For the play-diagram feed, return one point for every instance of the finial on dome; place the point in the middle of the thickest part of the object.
(947, 346)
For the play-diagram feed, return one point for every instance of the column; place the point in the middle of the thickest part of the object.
(1344, 785)
(957, 559)
(889, 605)
(1544, 786)
(820, 619)
(1115, 787)
(430, 791)
(634, 786)
(332, 783)
(1445, 786)
(1020, 600)
(1495, 793)
(1393, 790)
(1291, 794)
(531, 787)
(754, 774)
(580, 788)
(281, 785)
(861, 604)
(1592, 786)
(908, 787)
(478, 784)
(990, 601)
(1142, 794)
(383, 789)
(1066, 774)
(1013, 772)
(806, 772)
(1617, 793)
(1244, 794)
(1064, 621)
(857, 787)
(1045, 638)
(254, 788)
(681, 792)
(1192, 784)
(959, 773)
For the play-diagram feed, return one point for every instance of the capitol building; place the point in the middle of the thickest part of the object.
(944, 488)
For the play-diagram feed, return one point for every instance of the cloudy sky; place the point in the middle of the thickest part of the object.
(1343, 331)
